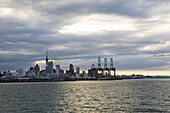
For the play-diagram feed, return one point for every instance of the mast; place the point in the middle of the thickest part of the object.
(46, 56)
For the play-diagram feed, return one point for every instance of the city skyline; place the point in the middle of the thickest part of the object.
(134, 33)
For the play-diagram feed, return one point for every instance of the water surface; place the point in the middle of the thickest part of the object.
(145, 95)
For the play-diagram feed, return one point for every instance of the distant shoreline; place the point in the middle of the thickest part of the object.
(64, 80)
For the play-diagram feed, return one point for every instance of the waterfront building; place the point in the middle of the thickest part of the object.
(77, 70)
(93, 72)
(50, 67)
(54, 70)
(37, 70)
(31, 72)
(84, 74)
(70, 72)
(20, 73)
(58, 71)
(43, 73)
(71, 68)
(77, 74)
(62, 74)
(6, 73)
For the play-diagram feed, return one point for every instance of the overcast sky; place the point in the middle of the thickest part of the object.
(135, 33)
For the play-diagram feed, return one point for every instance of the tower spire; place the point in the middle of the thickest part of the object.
(46, 56)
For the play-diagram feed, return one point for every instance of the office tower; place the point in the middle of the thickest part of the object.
(37, 69)
(62, 74)
(77, 74)
(43, 73)
(31, 72)
(58, 71)
(54, 70)
(84, 74)
(71, 69)
(77, 70)
(31, 69)
(50, 67)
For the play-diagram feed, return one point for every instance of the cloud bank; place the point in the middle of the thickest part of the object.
(134, 32)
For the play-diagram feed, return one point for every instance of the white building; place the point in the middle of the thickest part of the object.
(20, 73)
(58, 71)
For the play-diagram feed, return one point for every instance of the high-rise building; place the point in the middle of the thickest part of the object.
(50, 67)
(84, 74)
(31, 69)
(37, 69)
(62, 75)
(77, 74)
(58, 71)
(77, 70)
(71, 69)
(54, 70)
(43, 73)
(31, 72)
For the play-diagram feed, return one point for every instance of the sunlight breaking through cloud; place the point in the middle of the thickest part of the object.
(98, 24)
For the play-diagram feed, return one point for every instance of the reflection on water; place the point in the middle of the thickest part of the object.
(147, 95)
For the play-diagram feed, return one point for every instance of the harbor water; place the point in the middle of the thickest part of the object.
(137, 95)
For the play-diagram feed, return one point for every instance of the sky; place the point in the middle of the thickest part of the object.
(135, 33)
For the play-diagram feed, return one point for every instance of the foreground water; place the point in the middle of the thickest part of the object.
(146, 95)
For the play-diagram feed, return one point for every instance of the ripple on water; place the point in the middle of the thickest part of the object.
(87, 96)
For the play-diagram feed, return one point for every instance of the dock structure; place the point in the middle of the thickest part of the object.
(100, 72)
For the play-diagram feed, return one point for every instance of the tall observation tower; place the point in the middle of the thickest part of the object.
(46, 59)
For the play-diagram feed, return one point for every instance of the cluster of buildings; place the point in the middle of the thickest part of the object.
(58, 73)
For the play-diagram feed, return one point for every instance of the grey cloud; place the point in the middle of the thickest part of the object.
(142, 63)
(131, 8)
(17, 34)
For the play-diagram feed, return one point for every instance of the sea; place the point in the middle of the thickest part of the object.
(110, 96)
